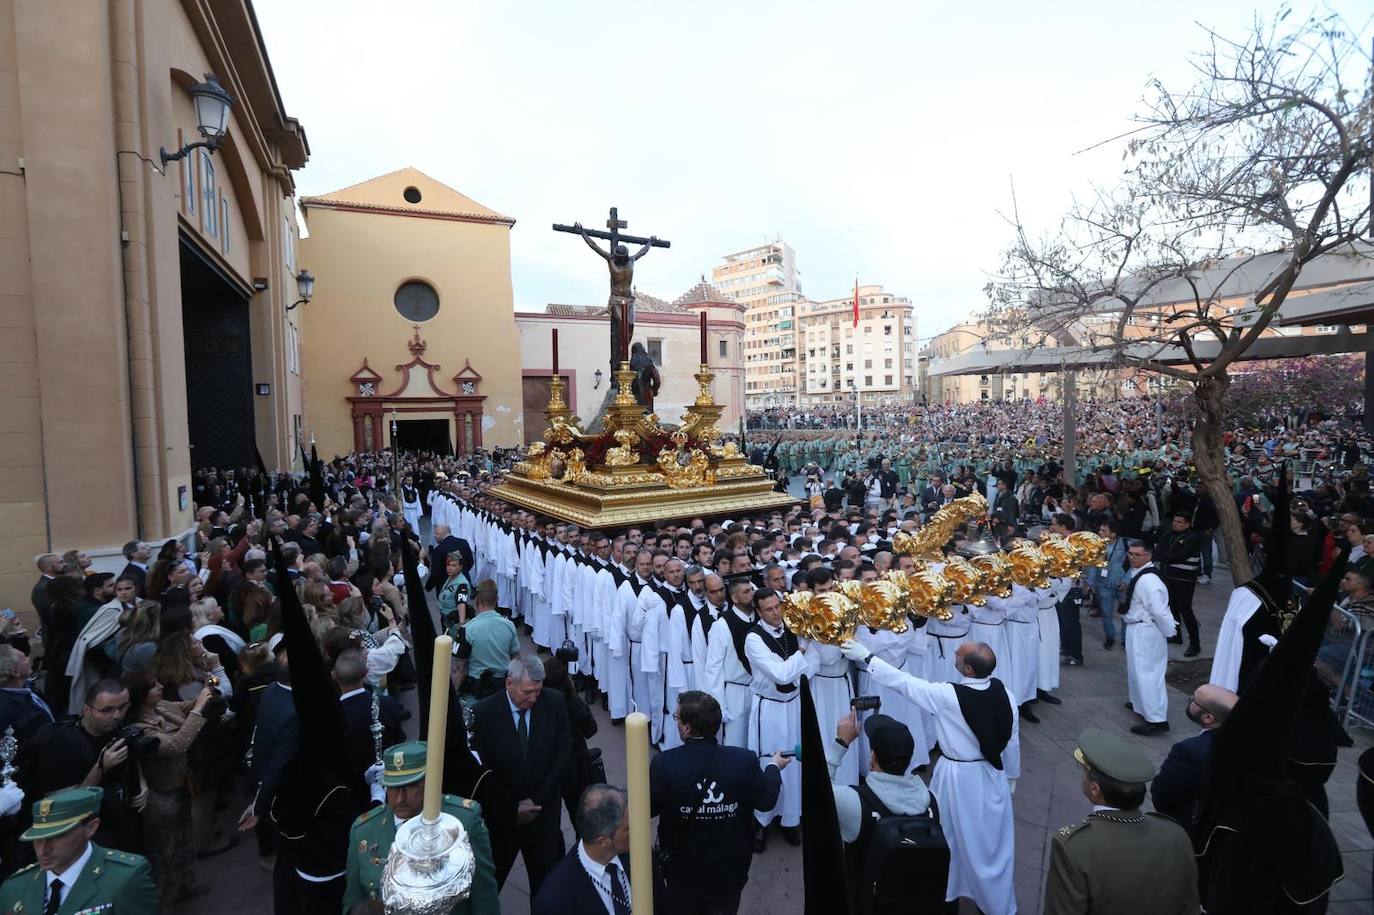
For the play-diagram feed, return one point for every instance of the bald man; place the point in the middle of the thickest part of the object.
(1176, 787)
(977, 727)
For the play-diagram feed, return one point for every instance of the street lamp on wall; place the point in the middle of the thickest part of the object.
(596, 379)
(212, 118)
(305, 287)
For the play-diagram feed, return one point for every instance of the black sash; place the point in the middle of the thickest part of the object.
(689, 610)
(987, 712)
(635, 584)
(783, 649)
(1130, 588)
(738, 630)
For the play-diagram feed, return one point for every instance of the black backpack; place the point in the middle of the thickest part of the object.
(901, 863)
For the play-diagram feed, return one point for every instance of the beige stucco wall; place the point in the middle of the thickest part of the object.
(93, 426)
(359, 259)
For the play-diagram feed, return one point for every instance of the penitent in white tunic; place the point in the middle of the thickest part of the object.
(1148, 626)
(974, 797)
(1230, 640)
(775, 717)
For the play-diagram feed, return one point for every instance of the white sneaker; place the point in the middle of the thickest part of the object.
(1204, 580)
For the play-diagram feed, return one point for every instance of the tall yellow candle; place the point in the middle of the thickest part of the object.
(438, 722)
(637, 778)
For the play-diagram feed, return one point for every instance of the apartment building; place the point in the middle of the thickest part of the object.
(876, 356)
(765, 280)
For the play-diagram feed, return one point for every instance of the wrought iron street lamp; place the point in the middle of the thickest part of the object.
(212, 105)
(305, 287)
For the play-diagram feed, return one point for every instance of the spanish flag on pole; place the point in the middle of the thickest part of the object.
(856, 300)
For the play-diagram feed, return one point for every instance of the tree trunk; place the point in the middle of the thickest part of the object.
(1209, 454)
(1069, 381)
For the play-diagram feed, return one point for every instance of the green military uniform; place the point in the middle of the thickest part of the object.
(369, 841)
(111, 882)
(1122, 862)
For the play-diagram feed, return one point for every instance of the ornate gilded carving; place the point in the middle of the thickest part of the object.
(626, 451)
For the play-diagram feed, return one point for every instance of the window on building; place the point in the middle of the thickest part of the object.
(849, 349)
(868, 328)
(209, 195)
(288, 245)
(982, 379)
(849, 366)
(188, 179)
(887, 330)
(887, 363)
(724, 349)
(655, 348)
(887, 380)
(224, 224)
(868, 363)
(868, 381)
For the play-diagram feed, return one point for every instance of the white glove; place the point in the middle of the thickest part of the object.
(11, 799)
(373, 777)
(854, 651)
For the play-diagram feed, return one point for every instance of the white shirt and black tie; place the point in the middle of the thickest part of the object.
(59, 885)
(611, 882)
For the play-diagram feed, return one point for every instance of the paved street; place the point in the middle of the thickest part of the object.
(1047, 796)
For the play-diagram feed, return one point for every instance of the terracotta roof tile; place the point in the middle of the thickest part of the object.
(703, 293)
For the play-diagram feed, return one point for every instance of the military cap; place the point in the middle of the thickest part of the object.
(62, 811)
(404, 764)
(1113, 756)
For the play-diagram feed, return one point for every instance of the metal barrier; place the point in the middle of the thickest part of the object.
(1349, 648)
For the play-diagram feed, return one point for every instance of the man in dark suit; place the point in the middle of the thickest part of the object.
(49, 567)
(445, 543)
(20, 707)
(932, 498)
(274, 738)
(1175, 789)
(522, 735)
(1004, 507)
(136, 553)
(707, 852)
(350, 673)
(593, 878)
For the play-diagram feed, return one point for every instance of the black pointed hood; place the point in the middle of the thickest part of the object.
(1274, 576)
(461, 770)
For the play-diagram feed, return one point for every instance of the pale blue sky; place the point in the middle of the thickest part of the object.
(877, 138)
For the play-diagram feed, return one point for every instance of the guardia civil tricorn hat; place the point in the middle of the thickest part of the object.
(62, 811)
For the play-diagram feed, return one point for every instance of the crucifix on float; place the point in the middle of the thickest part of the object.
(621, 264)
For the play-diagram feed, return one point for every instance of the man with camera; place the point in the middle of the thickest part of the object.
(705, 796)
(94, 750)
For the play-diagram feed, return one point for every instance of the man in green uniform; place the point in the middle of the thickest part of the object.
(73, 874)
(494, 642)
(1119, 860)
(369, 841)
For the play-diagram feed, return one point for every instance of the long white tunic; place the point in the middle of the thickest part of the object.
(1047, 600)
(1017, 670)
(831, 689)
(775, 718)
(974, 797)
(989, 626)
(725, 678)
(667, 650)
(943, 639)
(619, 690)
(543, 603)
(641, 689)
(892, 648)
(1148, 625)
(1230, 640)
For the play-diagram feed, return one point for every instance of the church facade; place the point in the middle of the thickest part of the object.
(410, 337)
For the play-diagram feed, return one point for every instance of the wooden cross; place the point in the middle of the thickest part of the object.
(614, 224)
